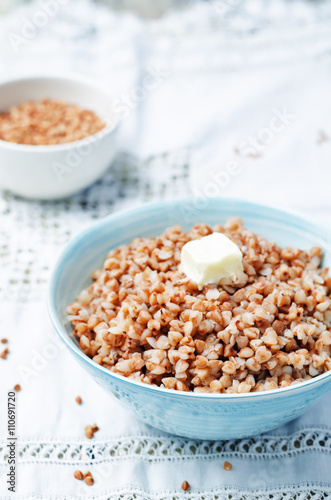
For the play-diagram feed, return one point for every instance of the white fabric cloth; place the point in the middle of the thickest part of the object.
(227, 73)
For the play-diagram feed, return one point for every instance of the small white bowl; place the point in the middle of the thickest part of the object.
(56, 171)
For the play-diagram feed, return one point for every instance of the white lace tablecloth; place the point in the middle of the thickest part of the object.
(231, 72)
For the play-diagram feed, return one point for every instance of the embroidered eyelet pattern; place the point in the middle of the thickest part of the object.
(151, 448)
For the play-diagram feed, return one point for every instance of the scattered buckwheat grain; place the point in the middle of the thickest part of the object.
(4, 341)
(17, 387)
(88, 478)
(227, 466)
(90, 430)
(78, 475)
(185, 486)
(4, 353)
(78, 400)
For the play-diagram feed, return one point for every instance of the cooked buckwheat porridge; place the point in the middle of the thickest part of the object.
(270, 328)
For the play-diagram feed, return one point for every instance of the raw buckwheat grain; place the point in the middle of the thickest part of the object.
(47, 122)
(4, 353)
(78, 475)
(185, 486)
(90, 430)
(88, 478)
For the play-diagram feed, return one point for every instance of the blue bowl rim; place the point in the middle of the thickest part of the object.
(75, 242)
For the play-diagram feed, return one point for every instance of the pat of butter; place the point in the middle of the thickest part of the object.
(210, 259)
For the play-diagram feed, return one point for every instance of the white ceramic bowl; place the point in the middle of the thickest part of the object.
(50, 172)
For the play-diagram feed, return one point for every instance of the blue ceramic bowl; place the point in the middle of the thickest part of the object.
(199, 416)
